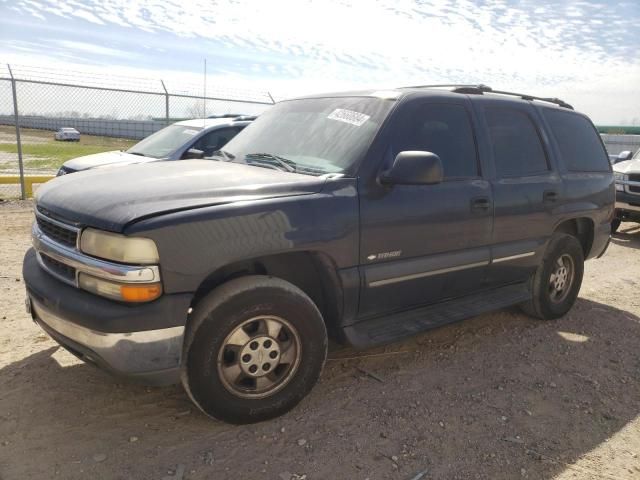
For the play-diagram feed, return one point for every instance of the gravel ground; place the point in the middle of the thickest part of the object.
(500, 396)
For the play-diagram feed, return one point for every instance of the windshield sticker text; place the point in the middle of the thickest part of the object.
(348, 116)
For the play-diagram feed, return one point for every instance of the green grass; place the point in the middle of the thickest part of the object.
(43, 152)
(621, 129)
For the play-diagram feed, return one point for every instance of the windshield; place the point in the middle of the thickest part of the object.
(313, 136)
(637, 155)
(164, 142)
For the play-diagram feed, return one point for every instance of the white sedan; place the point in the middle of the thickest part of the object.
(67, 134)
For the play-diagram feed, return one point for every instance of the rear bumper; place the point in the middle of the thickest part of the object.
(142, 342)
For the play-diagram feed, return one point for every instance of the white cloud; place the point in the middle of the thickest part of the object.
(94, 49)
(573, 49)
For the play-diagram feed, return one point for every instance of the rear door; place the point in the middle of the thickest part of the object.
(424, 243)
(527, 188)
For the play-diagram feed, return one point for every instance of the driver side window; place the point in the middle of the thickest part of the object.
(444, 129)
(215, 140)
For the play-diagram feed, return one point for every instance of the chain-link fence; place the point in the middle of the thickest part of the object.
(109, 112)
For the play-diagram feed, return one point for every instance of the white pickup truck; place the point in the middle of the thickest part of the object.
(627, 176)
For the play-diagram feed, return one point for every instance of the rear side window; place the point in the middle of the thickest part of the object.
(578, 140)
(443, 129)
(517, 149)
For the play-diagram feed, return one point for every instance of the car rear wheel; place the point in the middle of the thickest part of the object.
(556, 283)
(254, 348)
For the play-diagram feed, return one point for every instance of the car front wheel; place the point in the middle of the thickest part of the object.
(255, 346)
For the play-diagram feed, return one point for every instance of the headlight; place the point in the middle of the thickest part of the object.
(124, 292)
(61, 171)
(119, 248)
(619, 177)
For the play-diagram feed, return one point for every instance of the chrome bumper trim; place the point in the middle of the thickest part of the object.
(626, 206)
(133, 352)
(83, 263)
(413, 276)
(513, 257)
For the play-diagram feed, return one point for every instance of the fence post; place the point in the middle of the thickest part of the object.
(166, 102)
(17, 122)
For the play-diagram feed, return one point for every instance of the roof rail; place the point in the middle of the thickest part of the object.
(480, 89)
(228, 115)
(457, 86)
(524, 96)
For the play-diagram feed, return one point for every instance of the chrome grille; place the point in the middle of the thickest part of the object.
(57, 232)
(634, 177)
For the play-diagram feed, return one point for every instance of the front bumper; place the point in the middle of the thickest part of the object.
(628, 203)
(142, 342)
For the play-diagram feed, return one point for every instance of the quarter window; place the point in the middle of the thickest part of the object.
(517, 150)
(578, 140)
(443, 129)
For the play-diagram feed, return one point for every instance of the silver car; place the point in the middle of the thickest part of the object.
(67, 134)
(181, 141)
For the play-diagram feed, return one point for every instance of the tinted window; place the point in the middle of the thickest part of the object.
(443, 129)
(315, 136)
(165, 141)
(517, 150)
(578, 141)
(215, 140)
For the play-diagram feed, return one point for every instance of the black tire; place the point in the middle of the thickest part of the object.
(224, 311)
(615, 224)
(541, 305)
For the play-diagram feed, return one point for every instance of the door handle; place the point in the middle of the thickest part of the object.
(550, 196)
(480, 204)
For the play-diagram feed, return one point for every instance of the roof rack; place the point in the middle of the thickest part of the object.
(480, 89)
(228, 115)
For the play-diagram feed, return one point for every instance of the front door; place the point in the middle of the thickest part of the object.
(423, 243)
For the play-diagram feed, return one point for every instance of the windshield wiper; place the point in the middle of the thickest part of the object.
(270, 159)
(227, 156)
(137, 153)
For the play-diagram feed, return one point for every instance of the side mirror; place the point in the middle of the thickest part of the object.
(626, 155)
(414, 168)
(193, 153)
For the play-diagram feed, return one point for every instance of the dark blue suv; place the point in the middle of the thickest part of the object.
(366, 216)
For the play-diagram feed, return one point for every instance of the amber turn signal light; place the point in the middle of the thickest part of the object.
(140, 292)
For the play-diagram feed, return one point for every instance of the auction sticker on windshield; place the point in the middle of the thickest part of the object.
(348, 116)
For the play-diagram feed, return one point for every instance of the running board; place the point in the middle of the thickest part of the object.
(390, 328)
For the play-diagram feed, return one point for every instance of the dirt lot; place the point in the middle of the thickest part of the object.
(499, 396)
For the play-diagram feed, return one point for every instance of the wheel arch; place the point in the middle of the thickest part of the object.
(313, 272)
(583, 228)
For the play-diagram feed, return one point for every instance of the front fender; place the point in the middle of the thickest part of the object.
(194, 243)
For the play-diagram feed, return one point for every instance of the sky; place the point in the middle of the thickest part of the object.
(585, 52)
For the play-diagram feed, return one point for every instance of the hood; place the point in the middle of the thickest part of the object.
(109, 199)
(105, 158)
(628, 166)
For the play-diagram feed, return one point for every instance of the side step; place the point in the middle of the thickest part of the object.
(396, 326)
